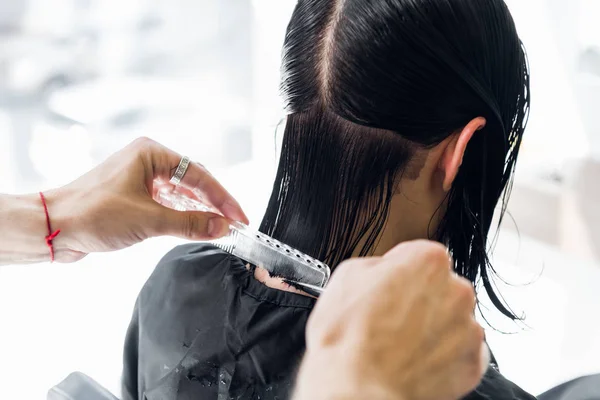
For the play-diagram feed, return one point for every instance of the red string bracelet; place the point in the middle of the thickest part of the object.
(51, 235)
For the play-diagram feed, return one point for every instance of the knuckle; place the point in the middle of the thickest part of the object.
(142, 146)
(435, 264)
(357, 263)
(437, 254)
(465, 293)
(350, 268)
(190, 225)
(432, 255)
(477, 333)
(346, 267)
(159, 222)
(480, 330)
(343, 266)
(142, 142)
(428, 245)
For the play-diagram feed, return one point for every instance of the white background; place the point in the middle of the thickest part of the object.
(80, 78)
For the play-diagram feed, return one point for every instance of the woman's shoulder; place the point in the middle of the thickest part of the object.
(190, 263)
(194, 253)
(494, 386)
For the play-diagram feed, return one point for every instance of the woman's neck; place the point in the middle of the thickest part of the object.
(409, 219)
(414, 213)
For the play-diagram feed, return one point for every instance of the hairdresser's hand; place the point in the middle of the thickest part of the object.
(112, 206)
(399, 326)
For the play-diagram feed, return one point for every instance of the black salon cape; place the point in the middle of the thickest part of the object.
(204, 329)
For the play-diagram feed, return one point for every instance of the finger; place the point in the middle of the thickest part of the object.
(185, 192)
(160, 187)
(191, 225)
(426, 260)
(473, 364)
(476, 364)
(157, 188)
(204, 187)
(164, 163)
(418, 249)
(466, 297)
(485, 357)
(358, 263)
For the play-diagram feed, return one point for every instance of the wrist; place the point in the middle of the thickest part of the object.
(335, 374)
(23, 226)
(61, 211)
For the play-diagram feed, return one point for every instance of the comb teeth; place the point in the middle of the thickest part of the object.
(259, 249)
(228, 243)
(279, 259)
(288, 251)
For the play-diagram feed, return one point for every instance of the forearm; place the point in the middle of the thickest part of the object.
(325, 375)
(22, 230)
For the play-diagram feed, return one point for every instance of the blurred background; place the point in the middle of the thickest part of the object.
(79, 79)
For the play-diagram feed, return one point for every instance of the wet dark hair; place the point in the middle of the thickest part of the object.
(367, 82)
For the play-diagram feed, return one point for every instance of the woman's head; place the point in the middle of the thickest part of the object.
(389, 96)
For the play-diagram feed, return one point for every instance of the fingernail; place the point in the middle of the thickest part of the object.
(218, 227)
(233, 211)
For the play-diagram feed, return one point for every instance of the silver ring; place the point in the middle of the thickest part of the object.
(181, 170)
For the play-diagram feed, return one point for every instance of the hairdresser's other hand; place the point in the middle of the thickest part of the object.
(112, 206)
(399, 326)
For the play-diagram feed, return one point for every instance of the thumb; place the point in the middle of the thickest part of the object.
(191, 225)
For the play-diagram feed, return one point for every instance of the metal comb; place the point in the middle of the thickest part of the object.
(280, 260)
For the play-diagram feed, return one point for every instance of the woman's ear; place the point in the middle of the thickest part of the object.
(452, 158)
